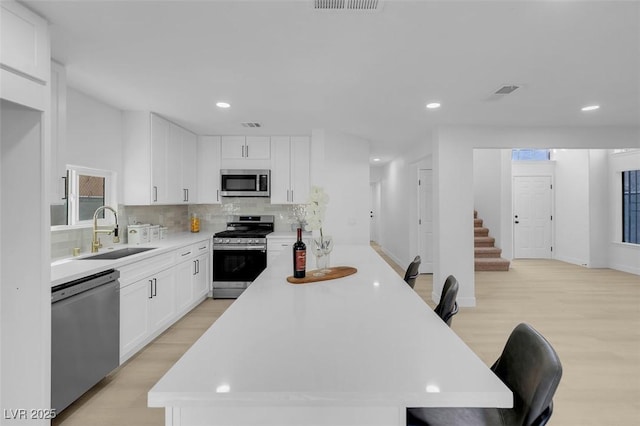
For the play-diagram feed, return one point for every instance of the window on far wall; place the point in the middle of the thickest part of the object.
(531, 154)
(631, 206)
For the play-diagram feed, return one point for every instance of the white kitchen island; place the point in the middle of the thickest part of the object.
(353, 351)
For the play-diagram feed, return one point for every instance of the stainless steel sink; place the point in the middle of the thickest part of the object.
(117, 254)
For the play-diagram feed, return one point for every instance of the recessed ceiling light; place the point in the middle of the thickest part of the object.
(223, 104)
(590, 108)
(433, 105)
(376, 159)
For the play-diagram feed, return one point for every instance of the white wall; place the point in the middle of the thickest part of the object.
(399, 203)
(487, 190)
(621, 256)
(94, 135)
(340, 164)
(572, 206)
(599, 208)
(25, 290)
(453, 151)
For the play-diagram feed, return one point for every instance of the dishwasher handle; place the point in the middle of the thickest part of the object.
(71, 288)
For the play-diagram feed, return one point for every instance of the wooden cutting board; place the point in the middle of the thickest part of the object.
(336, 272)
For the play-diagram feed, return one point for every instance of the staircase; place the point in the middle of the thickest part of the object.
(487, 256)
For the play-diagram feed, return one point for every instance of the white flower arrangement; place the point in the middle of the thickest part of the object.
(316, 208)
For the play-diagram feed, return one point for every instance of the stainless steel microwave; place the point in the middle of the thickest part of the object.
(245, 183)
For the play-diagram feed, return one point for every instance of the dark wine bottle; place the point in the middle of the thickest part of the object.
(299, 257)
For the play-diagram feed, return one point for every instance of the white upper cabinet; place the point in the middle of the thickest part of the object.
(159, 161)
(57, 183)
(209, 170)
(248, 152)
(25, 41)
(233, 147)
(258, 147)
(189, 167)
(290, 157)
(24, 56)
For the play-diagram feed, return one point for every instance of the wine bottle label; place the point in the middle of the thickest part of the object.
(301, 260)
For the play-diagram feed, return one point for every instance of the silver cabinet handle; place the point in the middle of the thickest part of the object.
(155, 287)
(247, 151)
(217, 195)
(151, 289)
(155, 193)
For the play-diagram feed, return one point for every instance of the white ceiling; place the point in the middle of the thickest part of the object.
(369, 74)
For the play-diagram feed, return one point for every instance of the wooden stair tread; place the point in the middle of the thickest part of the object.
(492, 264)
(486, 255)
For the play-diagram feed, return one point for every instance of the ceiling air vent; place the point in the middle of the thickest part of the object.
(505, 90)
(251, 124)
(369, 5)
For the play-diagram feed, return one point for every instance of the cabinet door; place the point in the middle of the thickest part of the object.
(233, 147)
(185, 273)
(201, 279)
(208, 169)
(258, 147)
(280, 170)
(134, 312)
(189, 166)
(176, 193)
(163, 303)
(159, 147)
(58, 133)
(300, 158)
(24, 41)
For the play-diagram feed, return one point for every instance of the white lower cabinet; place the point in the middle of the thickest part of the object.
(192, 275)
(278, 244)
(162, 306)
(134, 311)
(156, 292)
(201, 278)
(147, 307)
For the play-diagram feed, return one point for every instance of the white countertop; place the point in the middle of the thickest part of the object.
(366, 340)
(72, 268)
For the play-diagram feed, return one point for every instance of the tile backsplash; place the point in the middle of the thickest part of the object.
(213, 218)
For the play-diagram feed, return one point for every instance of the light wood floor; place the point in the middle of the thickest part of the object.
(590, 316)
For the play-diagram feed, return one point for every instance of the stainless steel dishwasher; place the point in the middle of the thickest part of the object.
(85, 335)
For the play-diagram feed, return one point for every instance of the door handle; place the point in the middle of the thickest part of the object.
(150, 289)
(155, 287)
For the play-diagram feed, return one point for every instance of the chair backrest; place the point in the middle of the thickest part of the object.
(412, 271)
(448, 307)
(530, 367)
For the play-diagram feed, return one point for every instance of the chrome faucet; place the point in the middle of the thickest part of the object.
(95, 241)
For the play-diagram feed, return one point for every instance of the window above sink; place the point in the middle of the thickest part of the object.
(86, 190)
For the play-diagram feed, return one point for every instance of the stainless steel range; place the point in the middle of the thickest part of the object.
(240, 254)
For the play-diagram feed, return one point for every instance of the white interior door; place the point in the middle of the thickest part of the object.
(532, 217)
(373, 208)
(425, 220)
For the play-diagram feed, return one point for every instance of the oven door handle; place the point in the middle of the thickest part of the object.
(239, 248)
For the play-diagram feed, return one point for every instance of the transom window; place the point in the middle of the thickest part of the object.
(531, 154)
